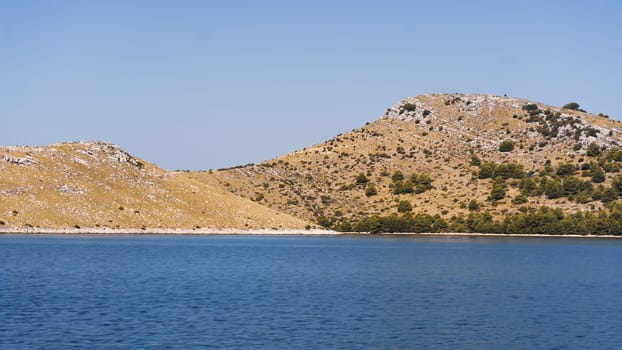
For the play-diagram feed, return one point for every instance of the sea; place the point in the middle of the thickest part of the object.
(309, 292)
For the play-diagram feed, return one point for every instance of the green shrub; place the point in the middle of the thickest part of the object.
(530, 107)
(597, 174)
(529, 220)
(519, 199)
(404, 223)
(593, 150)
(404, 206)
(611, 167)
(475, 160)
(509, 170)
(617, 184)
(371, 190)
(397, 176)
(553, 189)
(615, 154)
(498, 189)
(565, 169)
(589, 131)
(609, 195)
(506, 146)
(473, 205)
(571, 185)
(584, 197)
(422, 182)
(503, 170)
(572, 105)
(400, 187)
(323, 221)
(361, 179)
(410, 107)
(487, 170)
(529, 187)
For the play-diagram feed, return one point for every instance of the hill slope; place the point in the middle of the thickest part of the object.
(452, 143)
(95, 184)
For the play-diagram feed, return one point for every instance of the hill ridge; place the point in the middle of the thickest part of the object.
(433, 162)
(96, 184)
(439, 136)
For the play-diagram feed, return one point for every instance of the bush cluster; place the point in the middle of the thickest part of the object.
(416, 183)
(530, 220)
(400, 223)
(545, 220)
(506, 146)
(503, 170)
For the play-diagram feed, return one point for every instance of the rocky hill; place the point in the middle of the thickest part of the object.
(448, 158)
(98, 185)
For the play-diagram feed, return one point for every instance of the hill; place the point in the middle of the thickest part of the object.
(452, 161)
(98, 185)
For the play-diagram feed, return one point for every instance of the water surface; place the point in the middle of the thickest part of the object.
(250, 292)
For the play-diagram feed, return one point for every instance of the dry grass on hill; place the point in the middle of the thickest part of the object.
(435, 135)
(426, 154)
(98, 185)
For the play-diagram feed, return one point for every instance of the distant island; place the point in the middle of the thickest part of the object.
(434, 163)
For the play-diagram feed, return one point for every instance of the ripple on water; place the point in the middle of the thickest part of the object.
(120, 292)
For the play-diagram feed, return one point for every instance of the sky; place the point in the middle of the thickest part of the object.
(209, 84)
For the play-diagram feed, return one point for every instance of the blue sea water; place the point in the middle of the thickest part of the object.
(275, 292)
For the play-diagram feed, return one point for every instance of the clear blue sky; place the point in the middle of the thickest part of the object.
(209, 84)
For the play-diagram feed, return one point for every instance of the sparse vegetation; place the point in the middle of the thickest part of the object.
(506, 146)
(371, 190)
(405, 223)
(397, 176)
(530, 107)
(395, 162)
(404, 206)
(475, 161)
(440, 165)
(573, 106)
(410, 107)
(565, 169)
(593, 150)
(498, 190)
(473, 205)
(361, 179)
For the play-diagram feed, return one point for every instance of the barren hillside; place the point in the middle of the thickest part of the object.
(443, 154)
(95, 184)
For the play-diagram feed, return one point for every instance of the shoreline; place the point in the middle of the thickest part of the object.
(162, 231)
(497, 235)
(269, 232)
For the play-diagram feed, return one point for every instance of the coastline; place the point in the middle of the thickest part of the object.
(497, 235)
(161, 231)
(269, 232)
